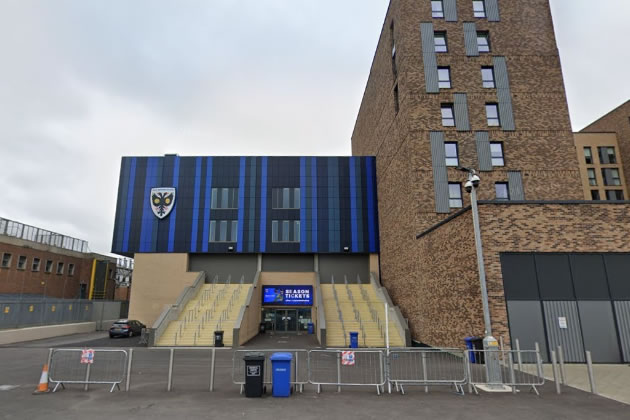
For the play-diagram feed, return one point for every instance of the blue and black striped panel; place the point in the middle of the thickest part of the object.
(338, 204)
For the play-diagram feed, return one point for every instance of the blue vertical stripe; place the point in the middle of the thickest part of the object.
(353, 205)
(195, 218)
(132, 179)
(369, 161)
(302, 204)
(241, 204)
(263, 206)
(146, 229)
(206, 205)
(173, 215)
(314, 210)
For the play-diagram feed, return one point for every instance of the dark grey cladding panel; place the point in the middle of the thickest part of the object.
(504, 94)
(288, 263)
(554, 277)
(527, 325)
(224, 266)
(483, 150)
(353, 267)
(515, 181)
(622, 313)
(450, 10)
(519, 277)
(440, 176)
(460, 103)
(470, 39)
(589, 277)
(569, 337)
(429, 58)
(618, 270)
(598, 331)
(492, 10)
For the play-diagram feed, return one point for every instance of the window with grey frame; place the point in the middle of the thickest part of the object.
(60, 266)
(607, 155)
(611, 176)
(36, 264)
(595, 195)
(592, 179)
(588, 155)
(448, 115)
(614, 195)
(483, 41)
(21, 265)
(450, 153)
(71, 270)
(285, 231)
(440, 42)
(444, 77)
(224, 198)
(6, 260)
(487, 77)
(437, 9)
(492, 115)
(502, 191)
(49, 265)
(455, 200)
(223, 230)
(496, 153)
(479, 8)
(285, 198)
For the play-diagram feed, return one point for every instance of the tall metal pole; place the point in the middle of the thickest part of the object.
(480, 263)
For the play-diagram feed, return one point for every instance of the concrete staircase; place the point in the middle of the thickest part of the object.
(357, 308)
(215, 307)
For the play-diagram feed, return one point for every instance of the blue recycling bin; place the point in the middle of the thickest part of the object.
(469, 346)
(311, 328)
(281, 374)
(354, 340)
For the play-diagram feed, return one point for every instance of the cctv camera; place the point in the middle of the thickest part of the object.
(475, 180)
(468, 186)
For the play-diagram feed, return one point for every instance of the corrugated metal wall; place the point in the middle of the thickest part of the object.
(504, 94)
(515, 180)
(622, 313)
(429, 58)
(450, 10)
(492, 10)
(470, 38)
(440, 177)
(483, 150)
(460, 106)
(569, 338)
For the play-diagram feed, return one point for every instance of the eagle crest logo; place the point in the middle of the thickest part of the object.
(162, 201)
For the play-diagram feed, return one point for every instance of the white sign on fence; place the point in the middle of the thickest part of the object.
(347, 358)
(87, 356)
(562, 322)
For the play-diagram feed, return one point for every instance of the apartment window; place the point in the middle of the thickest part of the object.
(6, 260)
(21, 262)
(487, 77)
(450, 151)
(496, 153)
(285, 198)
(224, 198)
(592, 180)
(36, 264)
(439, 39)
(588, 155)
(437, 9)
(396, 103)
(71, 271)
(492, 113)
(285, 231)
(611, 176)
(49, 265)
(595, 195)
(607, 155)
(60, 268)
(502, 191)
(223, 230)
(448, 116)
(455, 195)
(479, 8)
(483, 42)
(444, 77)
(614, 195)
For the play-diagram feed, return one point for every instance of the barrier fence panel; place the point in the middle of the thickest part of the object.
(500, 368)
(428, 367)
(347, 368)
(299, 367)
(88, 366)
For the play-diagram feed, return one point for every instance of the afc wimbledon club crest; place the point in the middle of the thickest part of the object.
(162, 201)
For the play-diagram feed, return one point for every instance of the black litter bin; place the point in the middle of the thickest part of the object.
(477, 349)
(254, 374)
(218, 339)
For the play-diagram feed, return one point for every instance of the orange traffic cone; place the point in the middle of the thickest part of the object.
(42, 388)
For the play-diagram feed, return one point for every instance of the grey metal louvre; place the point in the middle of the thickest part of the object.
(563, 329)
(483, 150)
(504, 95)
(440, 176)
(450, 10)
(622, 311)
(460, 105)
(492, 10)
(516, 185)
(429, 58)
(470, 38)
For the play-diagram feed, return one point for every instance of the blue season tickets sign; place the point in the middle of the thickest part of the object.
(288, 295)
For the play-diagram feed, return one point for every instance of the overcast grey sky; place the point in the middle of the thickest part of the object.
(84, 82)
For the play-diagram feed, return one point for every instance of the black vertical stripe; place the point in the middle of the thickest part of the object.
(138, 204)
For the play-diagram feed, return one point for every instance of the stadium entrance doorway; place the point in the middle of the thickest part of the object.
(287, 320)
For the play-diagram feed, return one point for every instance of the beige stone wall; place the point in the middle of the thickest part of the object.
(158, 280)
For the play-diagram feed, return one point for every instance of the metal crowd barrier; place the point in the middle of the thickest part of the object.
(67, 366)
(328, 367)
(427, 367)
(299, 367)
(501, 368)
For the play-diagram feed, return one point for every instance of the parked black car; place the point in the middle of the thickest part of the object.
(126, 328)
